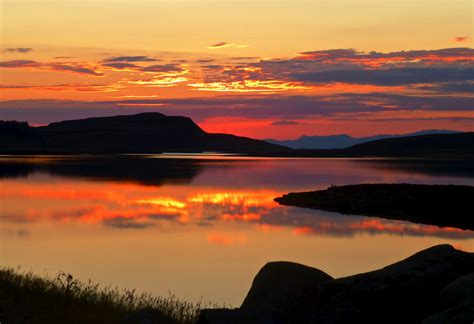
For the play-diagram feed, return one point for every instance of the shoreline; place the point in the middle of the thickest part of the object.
(440, 205)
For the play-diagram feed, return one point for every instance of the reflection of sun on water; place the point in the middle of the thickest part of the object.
(133, 206)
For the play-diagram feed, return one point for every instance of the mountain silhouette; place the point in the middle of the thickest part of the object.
(141, 133)
(158, 133)
(436, 145)
(344, 141)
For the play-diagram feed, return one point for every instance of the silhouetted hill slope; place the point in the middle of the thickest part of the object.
(156, 133)
(425, 145)
(141, 133)
(344, 141)
(460, 145)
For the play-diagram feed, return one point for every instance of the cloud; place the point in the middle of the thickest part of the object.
(122, 66)
(19, 50)
(450, 87)
(19, 64)
(95, 70)
(284, 123)
(225, 45)
(388, 77)
(163, 68)
(154, 69)
(271, 107)
(130, 59)
(80, 68)
(238, 58)
(341, 70)
(267, 86)
(64, 87)
(460, 39)
(75, 68)
(378, 59)
(205, 61)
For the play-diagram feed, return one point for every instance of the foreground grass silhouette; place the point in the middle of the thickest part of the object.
(28, 298)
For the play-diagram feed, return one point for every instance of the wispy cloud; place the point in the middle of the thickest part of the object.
(138, 58)
(65, 87)
(271, 108)
(284, 123)
(18, 50)
(75, 68)
(19, 64)
(388, 77)
(225, 45)
(80, 68)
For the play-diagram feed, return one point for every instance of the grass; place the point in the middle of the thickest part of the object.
(28, 298)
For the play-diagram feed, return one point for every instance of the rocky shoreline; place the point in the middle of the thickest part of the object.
(440, 205)
(435, 285)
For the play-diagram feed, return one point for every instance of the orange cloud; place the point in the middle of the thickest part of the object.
(268, 86)
(160, 82)
(460, 39)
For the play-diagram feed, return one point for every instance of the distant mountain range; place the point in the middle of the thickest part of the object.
(141, 133)
(158, 133)
(343, 140)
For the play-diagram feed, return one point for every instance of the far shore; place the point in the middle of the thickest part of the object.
(441, 205)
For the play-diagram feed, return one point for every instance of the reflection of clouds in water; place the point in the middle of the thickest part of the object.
(132, 206)
(17, 233)
(125, 223)
(226, 239)
(314, 222)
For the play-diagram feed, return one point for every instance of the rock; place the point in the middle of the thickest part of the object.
(456, 302)
(280, 288)
(459, 314)
(404, 292)
(458, 291)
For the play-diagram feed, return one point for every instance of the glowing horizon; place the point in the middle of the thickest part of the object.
(257, 69)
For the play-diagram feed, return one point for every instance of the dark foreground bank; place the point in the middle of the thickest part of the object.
(26, 298)
(441, 205)
(433, 286)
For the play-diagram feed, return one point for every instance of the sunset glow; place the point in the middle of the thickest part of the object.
(234, 71)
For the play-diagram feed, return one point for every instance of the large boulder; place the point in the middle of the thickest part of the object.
(458, 291)
(404, 292)
(280, 288)
(435, 285)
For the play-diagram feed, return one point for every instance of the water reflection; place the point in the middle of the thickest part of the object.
(133, 205)
(457, 168)
(107, 168)
(201, 227)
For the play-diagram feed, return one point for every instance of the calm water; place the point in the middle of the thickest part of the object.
(201, 226)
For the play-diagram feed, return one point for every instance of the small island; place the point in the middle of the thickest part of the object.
(441, 205)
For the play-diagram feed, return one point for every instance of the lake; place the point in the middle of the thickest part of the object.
(201, 226)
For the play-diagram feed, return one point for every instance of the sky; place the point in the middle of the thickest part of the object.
(263, 69)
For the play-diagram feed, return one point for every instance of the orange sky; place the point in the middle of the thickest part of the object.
(255, 68)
